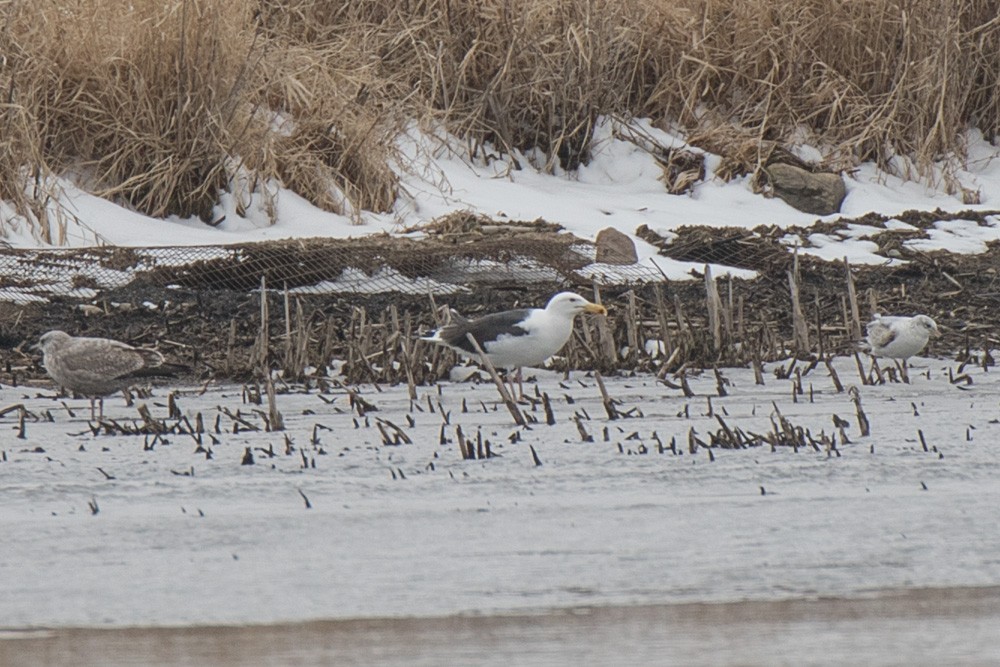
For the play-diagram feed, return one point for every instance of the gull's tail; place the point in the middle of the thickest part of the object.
(441, 335)
(163, 370)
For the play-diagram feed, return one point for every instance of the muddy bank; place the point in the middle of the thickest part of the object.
(914, 627)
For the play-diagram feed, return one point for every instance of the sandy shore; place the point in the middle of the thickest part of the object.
(955, 626)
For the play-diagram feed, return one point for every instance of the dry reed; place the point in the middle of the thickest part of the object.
(162, 106)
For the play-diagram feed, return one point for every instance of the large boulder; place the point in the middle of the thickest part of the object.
(615, 247)
(819, 194)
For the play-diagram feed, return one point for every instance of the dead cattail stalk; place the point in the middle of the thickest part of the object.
(605, 339)
(463, 446)
(799, 327)
(819, 325)
(872, 301)
(741, 328)
(263, 338)
(720, 383)
(609, 404)
(693, 441)
(633, 321)
(288, 326)
(150, 423)
(685, 387)
(534, 456)
(550, 417)
(275, 420)
(173, 411)
(515, 412)
(758, 369)
(727, 312)
(852, 297)
(863, 423)
(682, 323)
(833, 376)
(305, 499)
(663, 322)
(861, 369)
(731, 438)
(714, 305)
(405, 349)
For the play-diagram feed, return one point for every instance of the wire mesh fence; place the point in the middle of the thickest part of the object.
(314, 266)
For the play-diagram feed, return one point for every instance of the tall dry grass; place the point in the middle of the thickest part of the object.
(152, 103)
(143, 100)
(868, 79)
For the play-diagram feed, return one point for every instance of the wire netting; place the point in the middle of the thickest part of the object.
(314, 266)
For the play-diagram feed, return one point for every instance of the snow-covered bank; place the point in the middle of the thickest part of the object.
(620, 187)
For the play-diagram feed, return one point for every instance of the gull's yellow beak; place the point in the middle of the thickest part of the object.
(595, 308)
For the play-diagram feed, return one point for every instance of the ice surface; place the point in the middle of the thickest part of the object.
(413, 530)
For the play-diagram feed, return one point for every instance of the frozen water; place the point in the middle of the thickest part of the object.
(413, 530)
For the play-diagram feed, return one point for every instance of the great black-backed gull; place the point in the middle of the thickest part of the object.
(98, 367)
(515, 338)
(897, 337)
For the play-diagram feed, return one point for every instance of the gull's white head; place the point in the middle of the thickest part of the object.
(926, 323)
(570, 305)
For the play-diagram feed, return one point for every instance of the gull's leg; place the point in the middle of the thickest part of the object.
(904, 372)
(875, 369)
(92, 417)
(509, 378)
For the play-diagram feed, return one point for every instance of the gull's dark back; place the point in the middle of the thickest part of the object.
(483, 329)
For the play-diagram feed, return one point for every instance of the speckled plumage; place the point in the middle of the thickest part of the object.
(98, 367)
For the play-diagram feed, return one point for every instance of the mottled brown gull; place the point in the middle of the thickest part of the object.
(98, 367)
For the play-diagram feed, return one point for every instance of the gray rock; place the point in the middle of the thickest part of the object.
(819, 194)
(615, 247)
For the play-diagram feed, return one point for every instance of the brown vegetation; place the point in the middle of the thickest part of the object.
(204, 313)
(160, 105)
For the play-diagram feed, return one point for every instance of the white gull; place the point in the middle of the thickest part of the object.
(897, 337)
